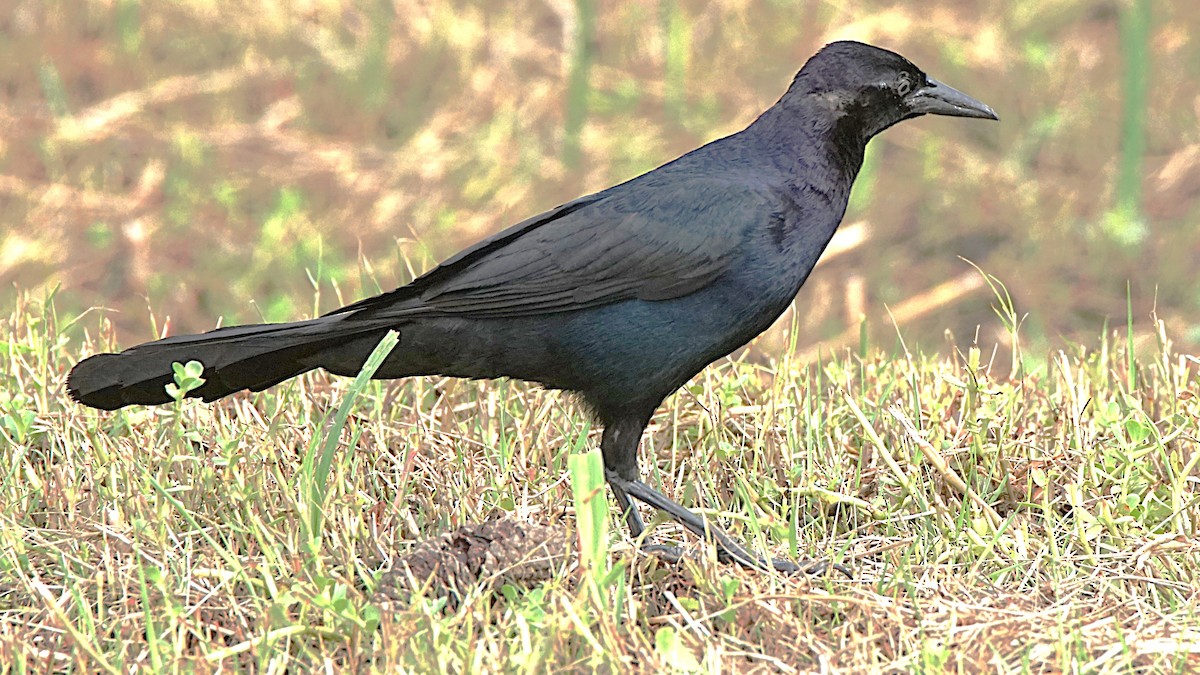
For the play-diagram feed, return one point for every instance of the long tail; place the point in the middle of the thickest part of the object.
(235, 358)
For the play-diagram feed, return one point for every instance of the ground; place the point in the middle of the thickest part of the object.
(1000, 514)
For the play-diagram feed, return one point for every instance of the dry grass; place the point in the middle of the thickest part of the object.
(1017, 511)
(1037, 520)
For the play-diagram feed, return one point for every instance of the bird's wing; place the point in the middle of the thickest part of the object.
(649, 243)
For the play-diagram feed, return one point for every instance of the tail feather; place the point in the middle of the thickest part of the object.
(239, 357)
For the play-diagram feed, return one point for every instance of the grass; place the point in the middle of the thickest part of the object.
(1020, 514)
(1029, 507)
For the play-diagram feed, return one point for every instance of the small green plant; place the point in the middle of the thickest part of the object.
(18, 418)
(349, 617)
(315, 469)
(602, 582)
(188, 378)
(530, 604)
(669, 647)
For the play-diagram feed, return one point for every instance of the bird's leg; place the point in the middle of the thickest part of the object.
(619, 447)
(627, 507)
(637, 528)
(728, 549)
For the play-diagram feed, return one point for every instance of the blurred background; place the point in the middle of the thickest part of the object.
(181, 164)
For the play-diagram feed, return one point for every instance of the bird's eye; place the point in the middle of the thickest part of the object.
(904, 86)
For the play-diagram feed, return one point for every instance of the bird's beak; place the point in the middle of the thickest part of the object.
(936, 98)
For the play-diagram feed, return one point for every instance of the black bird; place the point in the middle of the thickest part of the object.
(620, 296)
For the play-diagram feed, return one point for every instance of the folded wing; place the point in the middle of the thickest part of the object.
(653, 244)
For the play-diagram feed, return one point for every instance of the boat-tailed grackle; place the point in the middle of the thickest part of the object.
(620, 296)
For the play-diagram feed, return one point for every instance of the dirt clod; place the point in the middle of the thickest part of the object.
(495, 552)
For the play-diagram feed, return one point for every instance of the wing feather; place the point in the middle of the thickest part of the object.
(614, 246)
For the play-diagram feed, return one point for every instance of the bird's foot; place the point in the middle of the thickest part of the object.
(728, 550)
(815, 568)
(671, 554)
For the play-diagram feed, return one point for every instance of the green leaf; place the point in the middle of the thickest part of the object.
(1137, 429)
(591, 508)
(672, 651)
(315, 468)
(188, 378)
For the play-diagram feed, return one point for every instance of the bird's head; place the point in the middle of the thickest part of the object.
(869, 89)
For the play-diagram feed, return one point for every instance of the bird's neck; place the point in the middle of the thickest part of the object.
(821, 147)
(811, 151)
